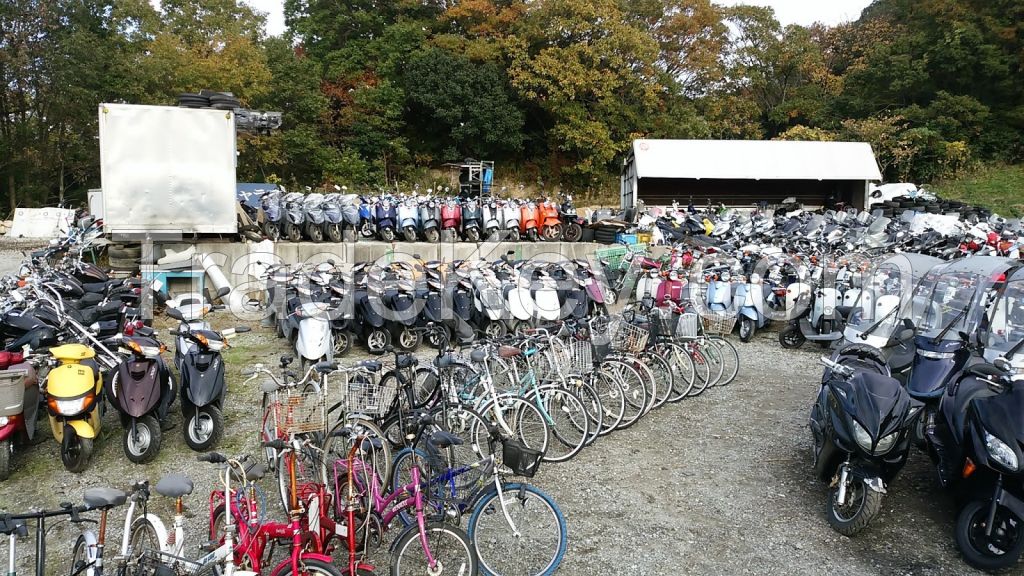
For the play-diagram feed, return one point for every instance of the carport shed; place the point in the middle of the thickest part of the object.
(745, 172)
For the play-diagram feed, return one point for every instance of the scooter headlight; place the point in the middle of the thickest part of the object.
(861, 436)
(3, 421)
(886, 443)
(72, 406)
(1001, 452)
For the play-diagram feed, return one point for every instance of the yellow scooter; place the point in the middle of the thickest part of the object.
(72, 390)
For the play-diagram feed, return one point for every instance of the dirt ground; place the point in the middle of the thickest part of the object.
(718, 484)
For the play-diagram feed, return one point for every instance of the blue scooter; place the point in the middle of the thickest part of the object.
(749, 298)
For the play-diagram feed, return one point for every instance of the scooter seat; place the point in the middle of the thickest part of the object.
(478, 355)
(405, 361)
(253, 472)
(104, 497)
(508, 352)
(442, 440)
(325, 367)
(174, 486)
(371, 365)
(983, 370)
(15, 527)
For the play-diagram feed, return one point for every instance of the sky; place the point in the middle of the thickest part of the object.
(802, 12)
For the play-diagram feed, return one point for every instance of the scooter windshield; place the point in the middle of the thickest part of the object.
(1006, 321)
(948, 309)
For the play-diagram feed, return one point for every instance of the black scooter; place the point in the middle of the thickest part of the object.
(860, 425)
(142, 390)
(202, 381)
(977, 439)
(472, 220)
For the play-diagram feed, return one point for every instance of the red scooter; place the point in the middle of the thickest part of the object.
(529, 220)
(550, 224)
(451, 216)
(19, 404)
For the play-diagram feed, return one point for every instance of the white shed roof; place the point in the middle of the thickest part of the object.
(755, 160)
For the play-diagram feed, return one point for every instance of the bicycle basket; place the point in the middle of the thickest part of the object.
(522, 460)
(12, 392)
(160, 563)
(627, 337)
(301, 412)
(688, 326)
(719, 322)
(582, 357)
(368, 395)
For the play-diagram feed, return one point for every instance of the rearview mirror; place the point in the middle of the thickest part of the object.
(222, 292)
(176, 314)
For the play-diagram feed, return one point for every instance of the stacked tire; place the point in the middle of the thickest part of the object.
(124, 257)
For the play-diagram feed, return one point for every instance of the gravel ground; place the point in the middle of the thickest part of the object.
(718, 484)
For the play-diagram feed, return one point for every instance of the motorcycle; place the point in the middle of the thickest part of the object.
(573, 224)
(860, 425)
(73, 391)
(142, 390)
(510, 213)
(315, 218)
(451, 216)
(550, 224)
(271, 204)
(202, 379)
(472, 220)
(334, 215)
(529, 221)
(367, 213)
(386, 217)
(294, 216)
(749, 299)
(19, 406)
(430, 219)
(492, 219)
(408, 218)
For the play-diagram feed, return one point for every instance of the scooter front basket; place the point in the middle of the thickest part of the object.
(12, 392)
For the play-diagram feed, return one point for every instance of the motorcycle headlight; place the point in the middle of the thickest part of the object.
(1000, 452)
(828, 310)
(71, 407)
(3, 421)
(215, 345)
(886, 443)
(861, 436)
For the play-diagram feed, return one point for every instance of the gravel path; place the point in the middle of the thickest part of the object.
(719, 484)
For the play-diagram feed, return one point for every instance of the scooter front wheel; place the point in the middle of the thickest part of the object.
(141, 439)
(406, 338)
(387, 234)
(573, 232)
(315, 232)
(513, 235)
(552, 233)
(432, 235)
(791, 336)
(333, 232)
(410, 234)
(747, 329)
(997, 551)
(377, 339)
(272, 231)
(204, 427)
(75, 451)
(473, 235)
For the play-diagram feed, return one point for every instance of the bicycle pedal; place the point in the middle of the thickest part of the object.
(209, 546)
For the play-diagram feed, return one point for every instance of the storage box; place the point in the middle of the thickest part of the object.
(626, 238)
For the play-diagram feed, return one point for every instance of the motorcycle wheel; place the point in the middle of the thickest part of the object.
(862, 505)
(377, 339)
(406, 339)
(293, 232)
(144, 444)
(791, 336)
(410, 234)
(473, 235)
(204, 427)
(573, 232)
(387, 234)
(495, 329)
(342, 344)
(366, 230)
(513, 235)
(438, 336)
(75, 452)
(315, 233)
(747, 329)
(5, 459)
(531, 234)
(432, 235)
(1000, 550)
(552, 233)
(272, 231)
(333, 232)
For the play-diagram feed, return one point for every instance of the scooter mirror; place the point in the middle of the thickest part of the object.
(1003, 364)
(176, 314)
(224, 291)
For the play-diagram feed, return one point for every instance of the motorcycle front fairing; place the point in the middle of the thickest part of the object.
(202, 378)
(935, 365)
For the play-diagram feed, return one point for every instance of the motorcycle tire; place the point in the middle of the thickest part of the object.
(531, 234)
(551, 233)
(495, 330)
(272, 230)
(791, 337)
(5, 459)
(252, 235)
(572, 232)
(366, 230)
(747, 329)
(315, 233)
(513, 235)
(342, 343)
(410, 234)
(292, 232)
(377, 339)
(387, 234)
(204, 428)
(333, 232)
(406, 339)
(125, 252)
(473, 235)
(75, 452)
(976, 548)
(432, 235)
(869, 507)
(145, 447)
(439, 335)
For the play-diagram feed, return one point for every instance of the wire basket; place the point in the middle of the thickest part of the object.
(581, 354)
(12, 392)
(718, 322)
(550, 364)
(688, 326)
(157, 563)
(301, 412)
(368, 395)
(522, 460)
(627, 337)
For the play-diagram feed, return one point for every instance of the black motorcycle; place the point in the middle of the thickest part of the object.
(977, 440)
(860, 425)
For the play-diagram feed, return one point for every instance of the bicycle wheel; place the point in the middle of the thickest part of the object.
(311, 567)
(535, 542)
(336, 446)
(684, 372)
(714, 358)
(464, 423)
(567, 420)
(592, 402)
(142, 536)
(633, 388)
(705, 377)
(449, 547)
(730, 360)
(309, 469)
(613, 401)
(650, 383)
(268, 430)
(662, 372)
(515, 417)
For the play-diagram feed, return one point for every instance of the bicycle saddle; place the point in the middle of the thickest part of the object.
(252, 472)
(174, 486)
(405, 361)
(325, 367)
(16, 527)
(370, 444)
(445, 360)
(442, 439)
(478, 355)
(508, 352)
(104, 497)
(371, 365)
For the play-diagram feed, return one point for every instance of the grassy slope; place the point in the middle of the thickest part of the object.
(999, 187)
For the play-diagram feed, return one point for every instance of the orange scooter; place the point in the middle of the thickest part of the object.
(529, 220)
(550, 224)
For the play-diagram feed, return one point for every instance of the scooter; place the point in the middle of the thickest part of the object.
(367, 212)
(350, 209)
(271, 204)
(334, 215)
(492, 219)
(451, 216)
(142, 390)
(860, 425)
(73, 393)
(313, 206)
(529, 221)
(821, 322)
(202, 380)
(19, 406)
(510, 213)
(386, 219)
(472, 220)
(572, 224)
(550, 225)
(294, 217)
(408, 218)
(430, 219)
(749, 299)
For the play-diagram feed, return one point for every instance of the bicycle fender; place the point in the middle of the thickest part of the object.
(286, 564)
